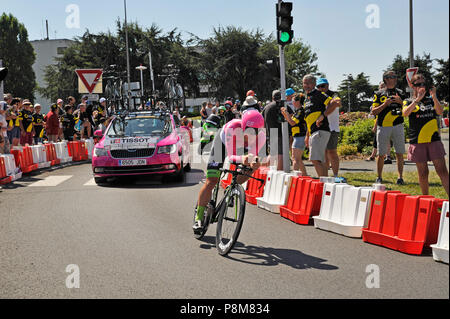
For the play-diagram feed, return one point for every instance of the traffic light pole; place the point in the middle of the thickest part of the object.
(284, 125)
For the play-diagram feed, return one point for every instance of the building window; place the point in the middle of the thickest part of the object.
(60, 50)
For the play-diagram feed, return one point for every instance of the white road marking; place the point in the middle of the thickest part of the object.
(91, 182)
(51, 181)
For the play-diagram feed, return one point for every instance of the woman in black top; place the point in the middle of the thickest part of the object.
(298, 130)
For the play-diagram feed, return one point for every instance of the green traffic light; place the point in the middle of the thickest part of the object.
(285, 37)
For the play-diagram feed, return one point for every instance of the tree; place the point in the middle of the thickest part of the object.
(235, 61)
(230, 61)
(441, 79)
(361, 93)
(18, 55)
(105, 49)
(300, 61)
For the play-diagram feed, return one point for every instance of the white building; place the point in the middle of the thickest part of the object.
(46, 52)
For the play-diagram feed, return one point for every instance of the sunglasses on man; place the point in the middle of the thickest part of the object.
(390, 77)
(421, 84)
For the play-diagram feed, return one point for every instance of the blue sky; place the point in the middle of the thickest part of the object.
(335, 29)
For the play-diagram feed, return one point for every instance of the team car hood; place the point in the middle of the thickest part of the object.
(113, 143)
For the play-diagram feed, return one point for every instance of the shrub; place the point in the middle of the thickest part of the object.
(347, 119)
(367, 150)
(359, 134)
(344, 150)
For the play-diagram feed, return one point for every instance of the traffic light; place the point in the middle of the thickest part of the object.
(285, 33)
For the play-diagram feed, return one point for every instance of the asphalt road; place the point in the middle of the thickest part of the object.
(134, 240)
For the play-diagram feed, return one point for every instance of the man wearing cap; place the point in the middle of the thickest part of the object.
(289, 95)
(273, 119)
(229, 114)
(387, 107)
(316, 117)
(38, 124)
(332, 156)
(26, 124)
(101, 108)
(250, 103)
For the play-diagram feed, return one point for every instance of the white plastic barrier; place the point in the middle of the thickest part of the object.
(275, 191)
(344, 209)
(40, 156)
(440, 249)
(90, 147)
(11, 169)
(62, 152)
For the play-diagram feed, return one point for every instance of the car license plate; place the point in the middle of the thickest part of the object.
(137, 162)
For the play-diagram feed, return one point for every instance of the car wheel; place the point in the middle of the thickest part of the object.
(187, 168)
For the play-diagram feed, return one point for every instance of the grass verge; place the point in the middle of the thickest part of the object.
(390, 179)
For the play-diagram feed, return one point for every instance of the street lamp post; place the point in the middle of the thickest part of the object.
(128, 56)
(349, 76)
(142, 68)
(411, 41)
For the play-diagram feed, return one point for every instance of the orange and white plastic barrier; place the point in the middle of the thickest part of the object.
(440, 249)
(89, 147)
(40, 156)
(9, 172)
(275, 191)
(305, 196)
(62, 152)
(24, 159)
(403, 222)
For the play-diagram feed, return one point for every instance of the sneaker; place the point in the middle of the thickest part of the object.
(379, 180)
(340, 180)
(400, 181)
(388, 161)
(370, 159)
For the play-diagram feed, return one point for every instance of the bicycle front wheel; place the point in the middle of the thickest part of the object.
(230, 220)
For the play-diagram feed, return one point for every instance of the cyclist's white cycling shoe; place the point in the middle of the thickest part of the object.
(197, 226)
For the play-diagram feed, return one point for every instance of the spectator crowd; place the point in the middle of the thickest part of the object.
(312, 117)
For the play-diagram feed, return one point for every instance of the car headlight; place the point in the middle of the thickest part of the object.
(168, 149)
(99, 152)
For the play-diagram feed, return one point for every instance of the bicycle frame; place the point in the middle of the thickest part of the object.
(228, 190)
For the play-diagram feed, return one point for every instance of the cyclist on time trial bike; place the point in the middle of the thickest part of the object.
(241, 140)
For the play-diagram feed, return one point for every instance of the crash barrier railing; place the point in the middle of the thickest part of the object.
(390, 219)
(26, 159)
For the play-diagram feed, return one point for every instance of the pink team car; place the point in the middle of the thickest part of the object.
(141, 143)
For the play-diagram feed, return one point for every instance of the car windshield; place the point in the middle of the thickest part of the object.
(140, 126)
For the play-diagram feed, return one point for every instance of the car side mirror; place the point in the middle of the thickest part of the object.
(98, 134)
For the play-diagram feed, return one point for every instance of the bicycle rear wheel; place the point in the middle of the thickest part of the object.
(230, 220)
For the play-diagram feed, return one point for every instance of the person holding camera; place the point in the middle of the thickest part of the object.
(423, 110)
(387, 107)
(316, 117)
